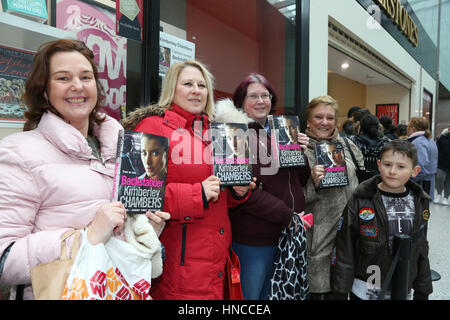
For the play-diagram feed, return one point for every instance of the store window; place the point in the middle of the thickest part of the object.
(234, 38)
(427, 105)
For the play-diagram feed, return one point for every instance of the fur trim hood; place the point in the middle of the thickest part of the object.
(133, 119)
(227, 112)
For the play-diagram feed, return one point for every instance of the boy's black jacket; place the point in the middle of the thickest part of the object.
(357, 249)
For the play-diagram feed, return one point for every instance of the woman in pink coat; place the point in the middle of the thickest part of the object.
(58, 174)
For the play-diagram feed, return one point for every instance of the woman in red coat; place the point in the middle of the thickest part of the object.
(197, 238)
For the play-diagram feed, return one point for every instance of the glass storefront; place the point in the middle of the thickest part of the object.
(235, 38)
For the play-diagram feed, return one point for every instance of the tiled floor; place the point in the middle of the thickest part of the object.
(439, 241)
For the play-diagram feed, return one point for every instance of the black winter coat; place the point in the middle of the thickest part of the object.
(443, 145)
(356, 250)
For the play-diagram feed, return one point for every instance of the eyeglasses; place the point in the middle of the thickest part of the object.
(255, 96)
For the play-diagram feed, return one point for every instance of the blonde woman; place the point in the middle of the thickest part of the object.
(427, 152)
(197, 238)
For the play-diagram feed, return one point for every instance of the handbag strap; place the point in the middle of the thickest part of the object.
(351, 153)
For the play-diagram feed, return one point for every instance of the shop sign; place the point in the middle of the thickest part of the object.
(34, 9)
(172, 50)
(399, 15)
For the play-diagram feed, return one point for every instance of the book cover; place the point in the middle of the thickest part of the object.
(331, 156)
(231, 154)
(141, 170)
(284, 132)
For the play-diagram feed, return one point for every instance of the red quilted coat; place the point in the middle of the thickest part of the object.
(196, 239)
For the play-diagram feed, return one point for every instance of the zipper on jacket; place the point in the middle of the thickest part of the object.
(183, 243)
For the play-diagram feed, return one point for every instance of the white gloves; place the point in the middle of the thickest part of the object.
(140, 233)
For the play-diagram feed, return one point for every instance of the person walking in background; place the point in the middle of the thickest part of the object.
(389, 129)
(443, 171)
(197, 238)
(370, 143)
(347, 129)
(326, 204)
(357, 116)
(351, 112)
(347, 126)
(257, 223)
(400, 131)
(427, 152)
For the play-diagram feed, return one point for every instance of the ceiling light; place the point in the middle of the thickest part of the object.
(345, 65)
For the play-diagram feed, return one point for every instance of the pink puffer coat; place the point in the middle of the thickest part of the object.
(50, 183)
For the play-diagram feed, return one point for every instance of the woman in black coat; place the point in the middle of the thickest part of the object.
(443, 171)
(370, 143)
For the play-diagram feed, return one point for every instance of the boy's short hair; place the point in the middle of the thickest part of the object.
(403, 146)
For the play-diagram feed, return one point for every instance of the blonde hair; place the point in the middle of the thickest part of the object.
(326, 100)
(170, 83)
(420, 124)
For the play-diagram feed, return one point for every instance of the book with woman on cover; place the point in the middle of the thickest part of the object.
(140, 172)
(231, 155)
(331, 156)
(284, 132)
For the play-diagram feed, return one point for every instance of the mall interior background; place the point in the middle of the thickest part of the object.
(236, 37)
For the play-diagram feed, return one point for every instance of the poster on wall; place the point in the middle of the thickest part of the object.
(389, 109)
(129, 18)
(15, 66)
(172, 50)
(96, 27)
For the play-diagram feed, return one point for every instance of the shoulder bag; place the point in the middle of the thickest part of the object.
(48, 279)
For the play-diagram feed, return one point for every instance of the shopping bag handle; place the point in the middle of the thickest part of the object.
(75, 244)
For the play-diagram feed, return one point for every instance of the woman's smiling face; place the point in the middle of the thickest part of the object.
(72, 88)
(255, 105)
(191, 93)
(322, 121)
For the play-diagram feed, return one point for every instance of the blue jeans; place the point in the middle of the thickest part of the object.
(256, 269)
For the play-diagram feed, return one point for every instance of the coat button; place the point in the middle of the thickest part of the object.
(222, 231)
(220, 274)
(187, 218)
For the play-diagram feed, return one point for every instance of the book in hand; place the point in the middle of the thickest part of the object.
(331, 156)
(231, 154)
(284, 132)
(141, 170)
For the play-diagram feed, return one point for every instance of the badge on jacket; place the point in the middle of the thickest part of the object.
(426, 214)
(366, 214)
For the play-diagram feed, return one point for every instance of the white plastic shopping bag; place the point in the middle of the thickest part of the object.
(115, 270)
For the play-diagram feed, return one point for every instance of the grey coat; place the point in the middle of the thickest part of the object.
(326, 205)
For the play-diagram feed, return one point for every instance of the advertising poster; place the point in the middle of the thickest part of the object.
(172, 50)
(15, 66)
(129, 18)
(97, 28)
(390, 110)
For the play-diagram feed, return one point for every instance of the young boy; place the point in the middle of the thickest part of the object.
(380, 207)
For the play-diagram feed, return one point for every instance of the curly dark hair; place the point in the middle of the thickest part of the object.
(36, 84)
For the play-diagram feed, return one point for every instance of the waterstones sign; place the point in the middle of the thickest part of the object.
(400, 16)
